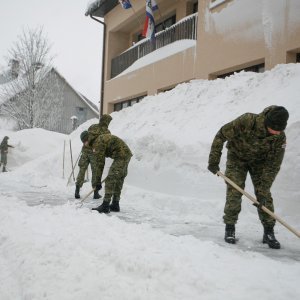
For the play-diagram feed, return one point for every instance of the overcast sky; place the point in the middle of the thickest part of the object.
(76, 39)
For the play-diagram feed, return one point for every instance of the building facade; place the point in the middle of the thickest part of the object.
(61, 108)
(205, 39)
(75, 110)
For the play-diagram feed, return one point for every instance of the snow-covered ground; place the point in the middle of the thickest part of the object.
(167, 242)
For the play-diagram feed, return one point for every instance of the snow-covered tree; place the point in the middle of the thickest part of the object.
(33, 96)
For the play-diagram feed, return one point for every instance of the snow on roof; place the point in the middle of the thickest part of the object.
(6, 84)
(43, 73)
(90, 104)
(100, 8)
(4, 77)
(92, 5)
(18, 84)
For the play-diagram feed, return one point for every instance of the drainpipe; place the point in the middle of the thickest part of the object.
(103, 64)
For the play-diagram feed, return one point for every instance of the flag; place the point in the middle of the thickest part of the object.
(149, 26)
(125, 4)
(154, 5)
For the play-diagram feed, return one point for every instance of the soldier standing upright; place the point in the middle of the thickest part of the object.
(86, 158)
(256, 144)
(4, 150)
(108, 145)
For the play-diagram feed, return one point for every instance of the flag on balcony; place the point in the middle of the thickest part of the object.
(149, 26)
(125, 4)
(154, 5)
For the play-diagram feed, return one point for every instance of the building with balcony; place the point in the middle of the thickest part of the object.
(205, 39)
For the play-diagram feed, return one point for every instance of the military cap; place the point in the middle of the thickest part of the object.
(277, 118)
(84, 136)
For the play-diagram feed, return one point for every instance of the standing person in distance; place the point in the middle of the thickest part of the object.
(4, 150)
(256, 144)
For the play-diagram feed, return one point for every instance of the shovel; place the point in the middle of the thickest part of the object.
(84, 198)
(258, 204)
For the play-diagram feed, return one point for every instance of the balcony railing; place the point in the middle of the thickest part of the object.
(183, 30)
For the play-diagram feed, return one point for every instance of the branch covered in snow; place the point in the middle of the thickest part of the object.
(32, 96)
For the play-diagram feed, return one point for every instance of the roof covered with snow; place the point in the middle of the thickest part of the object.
(89, 103)
(99, 8)
(85, 100)
(5, 84)
(4, 77)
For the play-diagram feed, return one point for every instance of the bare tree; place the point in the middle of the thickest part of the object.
(33, 97)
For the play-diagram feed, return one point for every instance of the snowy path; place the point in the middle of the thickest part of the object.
(168, 213)
(172, 215)
(148, 251)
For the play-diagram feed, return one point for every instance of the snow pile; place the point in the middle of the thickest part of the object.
(177, 136)
(167, 242)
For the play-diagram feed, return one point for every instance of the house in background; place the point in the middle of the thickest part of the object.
(205, 39)
(66, 107)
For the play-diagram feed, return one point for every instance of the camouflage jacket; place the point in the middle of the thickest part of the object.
(4, 146)
(86, 153)
(98, 129)
(248, 138)
(108, 145)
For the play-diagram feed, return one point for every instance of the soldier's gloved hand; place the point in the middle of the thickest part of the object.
(99, 186)
(213, 168)
(261, 200)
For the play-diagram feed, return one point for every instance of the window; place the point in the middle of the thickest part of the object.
(117, 106)
(166, 89)
(160, 26)
(165, 24)
(126, 104)
(123, 104)
(81, 113)
(256, 68)
(140, 37)
(195, 7)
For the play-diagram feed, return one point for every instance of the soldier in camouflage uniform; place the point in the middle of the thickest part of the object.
(111, 146)
(87, 156)
(256, 144)
(4, 150)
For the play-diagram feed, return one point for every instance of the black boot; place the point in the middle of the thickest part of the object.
(96, 194)
(269, 238)
(103, 208)
(77, 195)
(230, 234)
(4, 169)
(115, 205)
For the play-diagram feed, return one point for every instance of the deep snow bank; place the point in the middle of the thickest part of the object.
(171, 133)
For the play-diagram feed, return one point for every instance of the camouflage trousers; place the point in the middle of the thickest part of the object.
(4, 158)
(115, 178)
(237, 170)
(86, 158)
